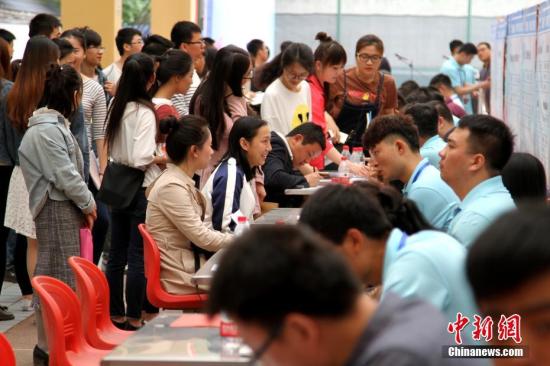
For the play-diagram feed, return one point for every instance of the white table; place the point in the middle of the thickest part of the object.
(159, 344)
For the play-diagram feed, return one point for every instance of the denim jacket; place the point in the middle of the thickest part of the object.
(49, 161)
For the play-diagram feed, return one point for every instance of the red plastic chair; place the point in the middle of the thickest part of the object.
(93, 291)
(61, 313)
(155, 293)
(6, 352)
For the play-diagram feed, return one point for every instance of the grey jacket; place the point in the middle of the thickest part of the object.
(48, 156)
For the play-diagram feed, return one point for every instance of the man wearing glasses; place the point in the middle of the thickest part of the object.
(296, 302)
(187, 36)
(128, 41)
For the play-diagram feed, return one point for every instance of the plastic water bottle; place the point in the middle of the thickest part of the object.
(242, 225)
(343, 171)
(231, 342)
(357, 155)
(345, 151)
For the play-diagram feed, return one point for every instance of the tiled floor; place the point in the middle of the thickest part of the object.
(11, 297)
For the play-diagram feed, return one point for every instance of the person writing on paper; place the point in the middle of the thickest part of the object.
(230, 190)
(362, 92)
(330, 58)
(53, 168)
(176, 209)
(288, 154)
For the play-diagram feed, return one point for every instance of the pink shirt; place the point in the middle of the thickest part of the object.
(318, 117)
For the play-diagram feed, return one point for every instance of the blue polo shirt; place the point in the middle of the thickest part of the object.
(434, 198)
(459, 77)
(429, 265)
(431, 148)
(481, 206)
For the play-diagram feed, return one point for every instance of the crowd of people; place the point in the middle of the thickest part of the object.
(447, 219)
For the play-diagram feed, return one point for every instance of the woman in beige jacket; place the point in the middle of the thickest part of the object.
(176, 209)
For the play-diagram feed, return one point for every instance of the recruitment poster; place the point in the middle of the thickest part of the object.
(542, 129)
(497, 68)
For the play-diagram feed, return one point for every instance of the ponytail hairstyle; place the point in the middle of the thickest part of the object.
(173, 63)
(329, 52)
(62, 82)
(230, 66)
(182, 134)
(138, 69)
(28, 87)
(400, 211)
(247, 128)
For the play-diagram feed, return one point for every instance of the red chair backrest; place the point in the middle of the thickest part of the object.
(93, 291)
(151, 263)
(61, 314)
(155, 293)
(6, 352)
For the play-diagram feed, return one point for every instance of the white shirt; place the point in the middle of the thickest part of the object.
(284, 109)
(182, 101)
(112, 73)
(135, 143)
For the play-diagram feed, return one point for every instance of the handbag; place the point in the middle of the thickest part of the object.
(120, 185)
(86, 244)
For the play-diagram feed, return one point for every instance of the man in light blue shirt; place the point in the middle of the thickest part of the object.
(476, 152)
(424, 264)
(461, 79)
(394, 148)
(426, 118)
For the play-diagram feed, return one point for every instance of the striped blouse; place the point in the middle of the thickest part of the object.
(95, 110)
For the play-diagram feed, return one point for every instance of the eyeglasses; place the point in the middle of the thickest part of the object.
(297, 77)
(271, 336)
(366, 58)
(196, 42)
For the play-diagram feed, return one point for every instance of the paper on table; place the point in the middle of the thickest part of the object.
(196, 321)
(343, 137)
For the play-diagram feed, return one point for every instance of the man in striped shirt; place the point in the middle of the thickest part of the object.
(188, 38)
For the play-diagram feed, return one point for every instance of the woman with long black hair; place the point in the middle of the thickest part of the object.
(130, 134)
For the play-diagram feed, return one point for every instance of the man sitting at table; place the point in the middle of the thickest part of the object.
(387, 242)
(288, 154)
(296, 302)
(394, 147)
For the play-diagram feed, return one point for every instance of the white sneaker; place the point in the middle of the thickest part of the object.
(26, 305)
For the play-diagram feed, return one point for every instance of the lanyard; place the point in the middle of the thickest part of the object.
(402, 242)
(426, 163)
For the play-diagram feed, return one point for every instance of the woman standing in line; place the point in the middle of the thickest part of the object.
(223, 89)
(53, 168)
(130, 135)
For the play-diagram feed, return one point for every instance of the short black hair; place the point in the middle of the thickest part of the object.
(441, 79)
(6, 35)
(312, 133)
(487, 44)
(524, 176)
(93, 39)
(442, 110)
(491, 137)
(425, 118)
(272, 271)
(65, 47)
(424, 94)
(77, 34)
(454, 44)
(408, 87)
(125, 36)
(43, 24)
(391, 125)
(468, 48)
(254, 46)
(156, 45)
(512, 251)
(209, 42)
(182, 32)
